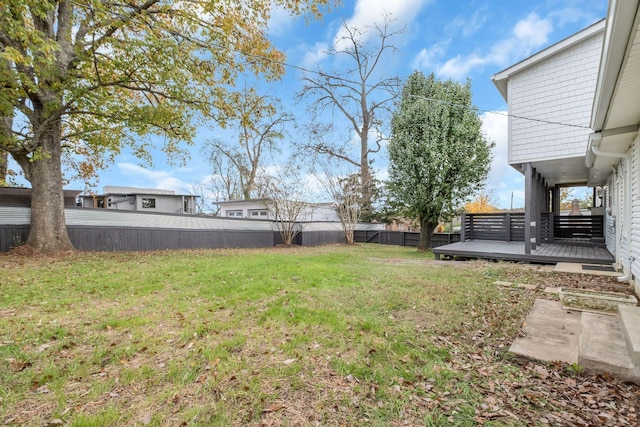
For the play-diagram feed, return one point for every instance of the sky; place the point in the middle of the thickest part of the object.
(459, 40)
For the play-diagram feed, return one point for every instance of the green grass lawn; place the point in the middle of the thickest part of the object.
(364, 335)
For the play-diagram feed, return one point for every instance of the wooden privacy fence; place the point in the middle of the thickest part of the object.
(111, 230)
(510, 227)
(146, 239)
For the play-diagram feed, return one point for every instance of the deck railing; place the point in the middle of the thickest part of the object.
(510, 227)
(493, 226)
(578, 227)
(403, 238)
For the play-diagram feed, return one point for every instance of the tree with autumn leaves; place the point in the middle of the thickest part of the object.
(82, 79)
(481, 204)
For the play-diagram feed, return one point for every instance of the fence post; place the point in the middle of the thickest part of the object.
(463, 226)
(471, 236)
(507, 219)
(552, 227)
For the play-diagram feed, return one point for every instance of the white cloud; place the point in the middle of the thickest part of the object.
(146, 178)
(369, 13)
(533, 31)
(382, 174)
(271, 170)
(503, 181)
(315, 187)
(460, 66)
(426, 58)
(572, 15)
(528, 35)
(374, 135)
(495, 127)
(314, 54)
(280, 21)
(468, 26)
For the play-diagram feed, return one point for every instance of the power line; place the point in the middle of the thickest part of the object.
(453, 104)
(342, 79)
(481, 110)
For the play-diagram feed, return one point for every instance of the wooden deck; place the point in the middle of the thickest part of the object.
(546, 253)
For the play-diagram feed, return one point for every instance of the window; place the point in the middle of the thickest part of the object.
(148, 203)
(234, 214)
(258, 214)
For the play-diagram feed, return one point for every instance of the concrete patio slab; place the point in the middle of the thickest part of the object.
(573, 267)
(602, 346)
(597, 342)
(552, 333)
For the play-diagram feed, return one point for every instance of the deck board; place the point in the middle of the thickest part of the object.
(548, 253)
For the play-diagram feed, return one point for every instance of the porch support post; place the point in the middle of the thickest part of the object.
(528, 206)
(539, 203)
(547, 199)
(535, 209)
(555, 207)
(545, 208)
(463, 226)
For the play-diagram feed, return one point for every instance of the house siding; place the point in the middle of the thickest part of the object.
(635, 208)
(609, 218)
(168, 204)
(559, 89)
(621, 249)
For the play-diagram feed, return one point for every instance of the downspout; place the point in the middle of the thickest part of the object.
(627, 200)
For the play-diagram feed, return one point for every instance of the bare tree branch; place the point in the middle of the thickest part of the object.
(356, 94)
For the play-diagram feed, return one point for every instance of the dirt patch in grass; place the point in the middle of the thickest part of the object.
(430, 262)
(566, 280)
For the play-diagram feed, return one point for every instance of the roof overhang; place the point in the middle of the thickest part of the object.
(569, 171)
(24, 191)
(611, 145)
(616, 107)
(242, 201)
(500, 79)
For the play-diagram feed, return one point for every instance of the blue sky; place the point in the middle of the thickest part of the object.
(453, 39)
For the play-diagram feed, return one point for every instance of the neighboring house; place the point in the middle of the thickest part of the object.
(22, 196)
(584, 94)
(140, 199)
(257, 209)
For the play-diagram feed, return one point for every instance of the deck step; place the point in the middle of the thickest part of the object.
(602, 347)
(630, 325)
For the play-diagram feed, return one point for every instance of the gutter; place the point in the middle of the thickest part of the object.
(597, 137)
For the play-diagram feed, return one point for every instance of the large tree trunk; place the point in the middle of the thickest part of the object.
(426, 231)
(48, 232)
(367, 187)
(3, 168)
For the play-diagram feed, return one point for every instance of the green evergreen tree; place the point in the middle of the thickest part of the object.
(438, 154)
